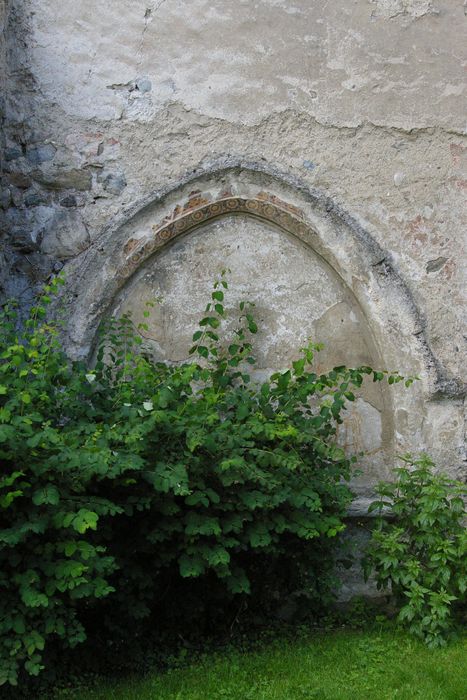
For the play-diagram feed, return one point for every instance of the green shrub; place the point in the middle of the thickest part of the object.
(49, 453)
(421, 555)
(122, 482)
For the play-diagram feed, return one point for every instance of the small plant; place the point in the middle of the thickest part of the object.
(421, 555)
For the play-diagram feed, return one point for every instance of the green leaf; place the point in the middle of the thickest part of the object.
(70, 548)
(238, 581)
(190, 566)
(299, 366)
(216, 556)
(85, 520)
(34, 599)
(243, 411)
(252, 326)
(48, 495)
(5, 415)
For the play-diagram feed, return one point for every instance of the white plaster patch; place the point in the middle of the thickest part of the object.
(362, 428)
(413, 8)
(77, 52)
(451, 89)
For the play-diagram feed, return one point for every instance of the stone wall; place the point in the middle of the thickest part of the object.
(5, 199)
(317, 149)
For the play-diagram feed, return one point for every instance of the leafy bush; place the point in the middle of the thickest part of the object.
(122, 482)
(422, 554)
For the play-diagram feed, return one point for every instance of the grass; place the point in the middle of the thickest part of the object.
(338, 665)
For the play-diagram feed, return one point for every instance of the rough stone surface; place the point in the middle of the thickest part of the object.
(40, 154)
(69, 201)
(59, 180)
(33, 199)
(346, 119)
(113, 183)
(66, 236)
(26, 226)
(143, 85)
(13, 153)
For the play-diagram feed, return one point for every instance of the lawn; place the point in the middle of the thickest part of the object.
(338, 665)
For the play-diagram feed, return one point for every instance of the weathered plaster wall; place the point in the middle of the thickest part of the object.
(358, 106)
